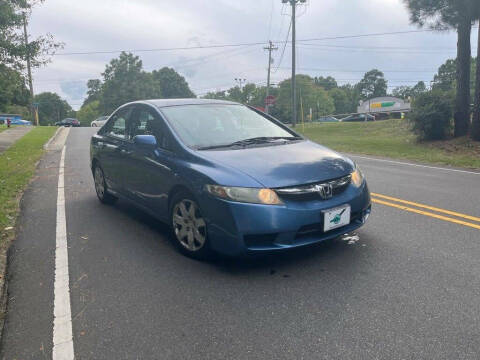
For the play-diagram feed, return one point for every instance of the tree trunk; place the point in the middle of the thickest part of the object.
(464, 58)
(476, 115)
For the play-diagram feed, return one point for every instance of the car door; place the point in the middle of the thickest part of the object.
(113, 149)
(150, 170)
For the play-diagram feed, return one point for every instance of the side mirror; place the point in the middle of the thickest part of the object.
(148, 141)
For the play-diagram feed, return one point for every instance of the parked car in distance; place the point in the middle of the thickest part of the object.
(99, 122)
(358, 118)
(68, 122)
(327, 119)
(225, 177)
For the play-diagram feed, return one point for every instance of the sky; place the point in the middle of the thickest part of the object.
(114, 25)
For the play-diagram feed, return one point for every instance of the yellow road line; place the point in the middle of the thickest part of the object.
(421, 212)
(448, 212)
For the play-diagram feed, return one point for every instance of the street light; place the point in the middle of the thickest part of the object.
(240, 82)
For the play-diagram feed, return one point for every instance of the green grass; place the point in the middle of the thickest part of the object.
(3, 127)
(17, 166)
(392, 139)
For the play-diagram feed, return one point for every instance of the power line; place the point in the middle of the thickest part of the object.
(379, 47)
(379, 50)
(360, 71)
(158, 49)
(284, 47)
(240, 44)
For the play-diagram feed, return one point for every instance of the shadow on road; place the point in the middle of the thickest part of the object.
(318, 258)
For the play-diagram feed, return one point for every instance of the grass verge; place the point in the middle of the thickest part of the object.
(393, 139)
(17, 166)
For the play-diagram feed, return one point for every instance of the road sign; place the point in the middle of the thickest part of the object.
(270, 100)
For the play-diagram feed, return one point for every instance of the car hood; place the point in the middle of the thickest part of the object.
(285, 165)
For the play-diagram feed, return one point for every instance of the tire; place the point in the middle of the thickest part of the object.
(189, 229)
(94, 125)
(101, 187)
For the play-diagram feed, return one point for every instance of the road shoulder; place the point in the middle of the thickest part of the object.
(18, 258)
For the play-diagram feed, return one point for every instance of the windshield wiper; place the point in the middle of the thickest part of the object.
(252, 141)
(265, 139)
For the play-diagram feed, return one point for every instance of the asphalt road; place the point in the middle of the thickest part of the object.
(408, 289)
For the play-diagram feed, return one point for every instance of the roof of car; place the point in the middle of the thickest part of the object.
(176, 102)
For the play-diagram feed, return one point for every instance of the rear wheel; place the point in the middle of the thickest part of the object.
(189, 227)
(101, 187)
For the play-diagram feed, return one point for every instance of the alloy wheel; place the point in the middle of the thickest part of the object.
(189, 226)
(99, 182)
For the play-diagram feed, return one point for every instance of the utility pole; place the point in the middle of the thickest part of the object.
(29, 70)
(270, 48)
(294, 3)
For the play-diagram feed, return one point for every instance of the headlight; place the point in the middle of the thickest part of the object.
(357, 177)
(246, 195)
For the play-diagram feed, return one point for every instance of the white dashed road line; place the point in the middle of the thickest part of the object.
(62, 322)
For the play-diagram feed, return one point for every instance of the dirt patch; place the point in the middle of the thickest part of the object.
(459, 146)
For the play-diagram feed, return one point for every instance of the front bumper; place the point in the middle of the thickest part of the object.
(238, 228)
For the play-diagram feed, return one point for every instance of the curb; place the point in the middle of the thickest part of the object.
(3, 288)
(47, 144)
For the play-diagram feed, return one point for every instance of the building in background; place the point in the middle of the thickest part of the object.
(384, 105)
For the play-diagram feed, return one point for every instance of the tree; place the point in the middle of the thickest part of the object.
(328, 83)
(124, 81)
(89, 112)
(432, 115)
(373, 85)
(12, 89)
(94, 91)
(459, 15)
(340, 100)
(12, 43)
(476, 112)
(406, 92)
(218, 95)
(171, 84)
(445, 79)
(52, 108)
(308, 94)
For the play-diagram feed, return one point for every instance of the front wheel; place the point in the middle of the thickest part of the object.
(101, 187)
(189, 227)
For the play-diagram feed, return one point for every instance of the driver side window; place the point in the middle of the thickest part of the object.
(146, 122)
(118, 126)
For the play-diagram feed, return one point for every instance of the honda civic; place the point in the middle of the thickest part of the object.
(226, 177)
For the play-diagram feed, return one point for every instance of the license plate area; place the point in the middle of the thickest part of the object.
(336, 217)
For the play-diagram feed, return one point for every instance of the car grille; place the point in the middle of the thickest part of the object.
(311, 191)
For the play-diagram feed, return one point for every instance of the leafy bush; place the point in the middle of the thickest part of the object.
(432, 115)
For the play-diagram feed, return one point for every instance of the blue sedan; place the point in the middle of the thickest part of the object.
(227, 178)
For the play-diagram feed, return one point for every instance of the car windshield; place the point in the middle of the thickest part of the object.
(213, 125)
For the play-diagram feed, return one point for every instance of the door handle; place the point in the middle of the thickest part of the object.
(125, 151)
